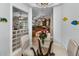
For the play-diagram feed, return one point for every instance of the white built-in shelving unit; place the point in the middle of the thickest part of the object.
(19, 29)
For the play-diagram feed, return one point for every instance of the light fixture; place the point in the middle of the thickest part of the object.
(42, 5)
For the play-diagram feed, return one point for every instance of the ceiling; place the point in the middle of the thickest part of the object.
(38, 10)
(38, 5)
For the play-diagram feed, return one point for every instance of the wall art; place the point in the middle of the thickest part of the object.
(74, 22)
(65, 19)
(3, 20)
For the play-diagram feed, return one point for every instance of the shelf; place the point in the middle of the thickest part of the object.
(17, 52)
(20, 28)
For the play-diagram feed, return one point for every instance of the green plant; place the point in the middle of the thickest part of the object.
(43, 36)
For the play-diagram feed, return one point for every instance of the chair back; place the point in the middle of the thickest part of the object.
(24, 42)
(72, 48)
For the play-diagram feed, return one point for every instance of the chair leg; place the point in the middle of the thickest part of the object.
(52, 54)
(33, 51)
(50, 46)
(40, 49)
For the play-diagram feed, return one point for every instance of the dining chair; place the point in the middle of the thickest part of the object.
(78, 51)
(39, 51)
(72, 48)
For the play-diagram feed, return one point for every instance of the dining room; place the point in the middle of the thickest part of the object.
(39, 29)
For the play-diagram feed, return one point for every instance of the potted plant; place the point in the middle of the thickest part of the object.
(42, 36)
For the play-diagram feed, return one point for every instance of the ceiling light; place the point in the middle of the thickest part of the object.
(42, 5)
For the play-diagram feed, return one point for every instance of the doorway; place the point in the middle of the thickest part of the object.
(41, 22)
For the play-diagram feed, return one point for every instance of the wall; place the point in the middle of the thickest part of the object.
(30, 25)
(41, 12)
(5, 29)
(57, 23)
(64, 31)
(71, 32)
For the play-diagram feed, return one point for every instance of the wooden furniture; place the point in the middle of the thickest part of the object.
(41, 50)
(36, 29)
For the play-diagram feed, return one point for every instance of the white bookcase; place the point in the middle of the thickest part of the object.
(16, 43)
(20, 28)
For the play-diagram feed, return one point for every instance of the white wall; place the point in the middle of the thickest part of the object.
(70, 10)
(62, 34)
(5, 29)
(36, 12)
(57, 23)
(30, 25)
